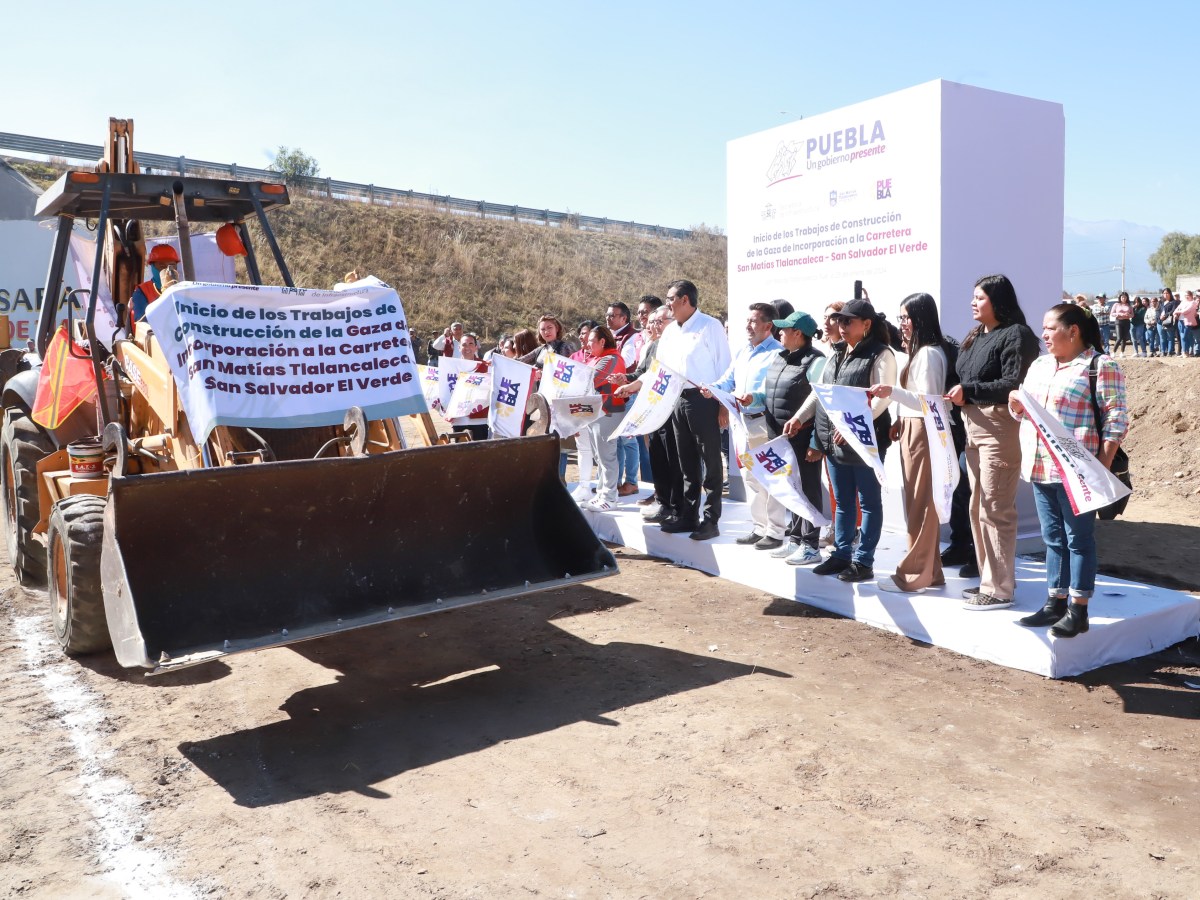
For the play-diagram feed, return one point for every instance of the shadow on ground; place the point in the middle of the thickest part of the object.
(444, 686)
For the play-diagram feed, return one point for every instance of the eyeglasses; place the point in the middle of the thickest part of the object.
(903, 318)
(837, 319)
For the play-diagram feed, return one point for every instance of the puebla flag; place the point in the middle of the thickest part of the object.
(511, 382)
(566, 377)
(449, 368)
(570, 415)
(430, 386)
(661, 387)
(738, 433)
(472, 392)
(773, 465)
(850, 412)
(1088, 483)
(943, 461)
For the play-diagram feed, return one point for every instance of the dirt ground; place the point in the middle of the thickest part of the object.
(660, 733)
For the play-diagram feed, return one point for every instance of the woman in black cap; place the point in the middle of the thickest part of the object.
(863, 360)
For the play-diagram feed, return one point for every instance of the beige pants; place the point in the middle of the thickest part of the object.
(994, 467)
(922, 565)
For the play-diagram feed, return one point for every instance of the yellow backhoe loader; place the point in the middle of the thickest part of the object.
(188, 550)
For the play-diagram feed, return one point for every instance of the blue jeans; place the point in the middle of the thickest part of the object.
(644, 458)
(1184, 339)
(1106, 335)
(1152, 337)
(856, 487)
(1139, 340)
(627, 457)
(1070, 543)
(1166, 337)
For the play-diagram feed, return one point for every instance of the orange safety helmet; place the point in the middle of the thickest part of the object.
(229, 241)
(163, 253)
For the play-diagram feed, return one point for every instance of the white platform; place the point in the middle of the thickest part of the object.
(1127, 619)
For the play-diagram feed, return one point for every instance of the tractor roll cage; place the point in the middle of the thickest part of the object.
(120, 199)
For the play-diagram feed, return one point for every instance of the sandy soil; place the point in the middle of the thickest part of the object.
(657, 734)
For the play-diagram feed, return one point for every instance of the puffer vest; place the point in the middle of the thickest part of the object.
(787, 386)
(853, 369)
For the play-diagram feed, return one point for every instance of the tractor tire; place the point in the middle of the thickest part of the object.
(22, 447)
(73, 544)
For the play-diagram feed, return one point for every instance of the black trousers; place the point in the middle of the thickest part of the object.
(664, 465)
(698, 440)
(801, 530)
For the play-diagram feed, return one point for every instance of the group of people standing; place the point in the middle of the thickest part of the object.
(1151, 326)
(980, 378)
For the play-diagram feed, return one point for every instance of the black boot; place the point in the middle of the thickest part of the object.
(1073, 623)
(1055, 609)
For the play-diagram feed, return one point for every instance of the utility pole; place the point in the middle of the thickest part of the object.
(1122, 265)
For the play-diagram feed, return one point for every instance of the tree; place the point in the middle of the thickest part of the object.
(294, 165)
(1178, 254)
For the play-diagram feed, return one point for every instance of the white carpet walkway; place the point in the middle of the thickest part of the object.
(1127, 619)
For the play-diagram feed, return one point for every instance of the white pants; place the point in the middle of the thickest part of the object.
(770, 517)
(605, 452)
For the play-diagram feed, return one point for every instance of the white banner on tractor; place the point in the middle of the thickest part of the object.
(278, 357)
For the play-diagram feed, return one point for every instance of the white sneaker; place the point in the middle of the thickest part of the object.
(582, 493)
(804, 555)
(649, 512)
(598, 504)
(783, 551)
(826, 536)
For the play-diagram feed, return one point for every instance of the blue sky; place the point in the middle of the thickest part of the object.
(619, 109)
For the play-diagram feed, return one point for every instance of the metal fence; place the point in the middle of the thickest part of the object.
(346, 190)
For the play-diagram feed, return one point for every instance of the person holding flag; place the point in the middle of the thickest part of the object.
(785, 388)
(1061, 382)
(605, 358)
(744, 380)
(865, 360)
(696, 346)
(475, 421)
(924, 373)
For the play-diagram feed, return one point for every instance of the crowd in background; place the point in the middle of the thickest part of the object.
(1165, 325)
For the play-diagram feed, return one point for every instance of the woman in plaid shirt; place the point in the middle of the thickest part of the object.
(1060, 381)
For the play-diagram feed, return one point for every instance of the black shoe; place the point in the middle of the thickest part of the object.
(1073, 623)
(1055, 609)
(957, 556)
(675, 525)
(706, 532)
(752, 538)
(856, 572)
(657, 519)
(648, 501)
(831, 566)
(970, 570)
(768, 543)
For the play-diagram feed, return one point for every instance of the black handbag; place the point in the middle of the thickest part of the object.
(1120, 461)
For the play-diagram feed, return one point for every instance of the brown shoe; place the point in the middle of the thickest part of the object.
(627, 489)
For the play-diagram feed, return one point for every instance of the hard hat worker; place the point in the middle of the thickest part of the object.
(161, 256)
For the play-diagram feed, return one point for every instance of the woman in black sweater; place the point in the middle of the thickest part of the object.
(993, 361)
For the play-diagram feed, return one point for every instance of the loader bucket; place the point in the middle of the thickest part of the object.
(204, 563)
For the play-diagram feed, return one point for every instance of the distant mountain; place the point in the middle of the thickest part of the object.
(1092, 256)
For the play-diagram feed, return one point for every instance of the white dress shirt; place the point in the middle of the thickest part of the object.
(699, 349)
